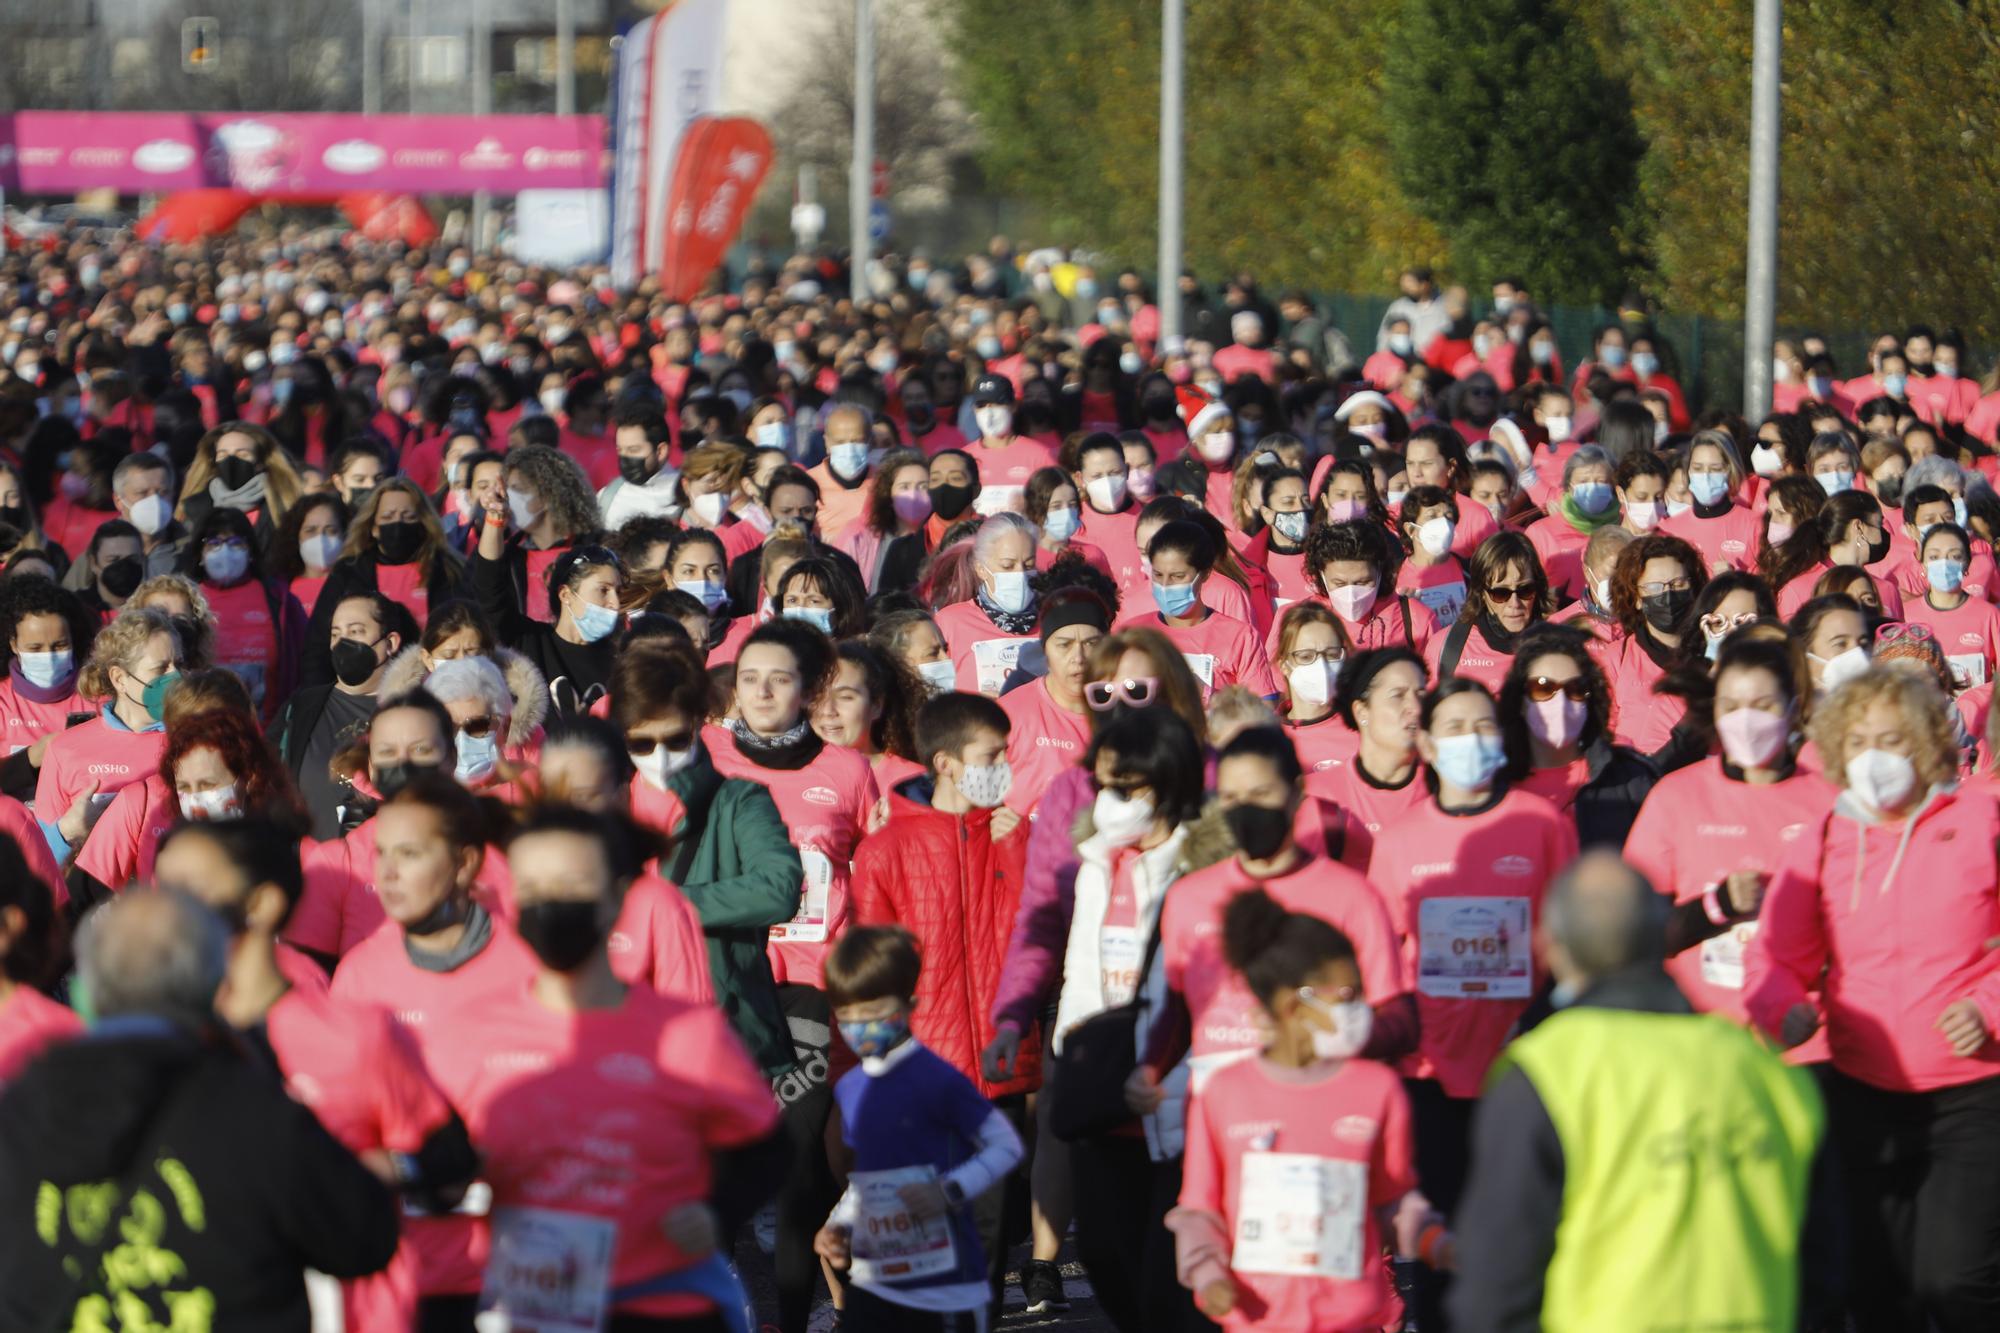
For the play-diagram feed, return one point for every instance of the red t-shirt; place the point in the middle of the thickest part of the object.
(245, 639)
(1346, 1122)
(538, 605)
(1043, 740)
(1466, 891)
(615, 1114)
(306, 588)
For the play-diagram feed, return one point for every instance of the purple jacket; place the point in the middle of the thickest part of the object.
(1033, 967)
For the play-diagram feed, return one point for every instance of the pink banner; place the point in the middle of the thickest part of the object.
(60, 152)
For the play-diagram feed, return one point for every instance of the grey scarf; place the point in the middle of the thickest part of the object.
(246, 497)
(478, 930)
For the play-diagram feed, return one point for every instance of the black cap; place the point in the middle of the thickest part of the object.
(993, 389)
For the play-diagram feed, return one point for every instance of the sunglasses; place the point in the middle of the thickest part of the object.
(1136, 691)
(1542, 689)
(1904, 629)
(639, 747)
(1523, 593)
(476, 726)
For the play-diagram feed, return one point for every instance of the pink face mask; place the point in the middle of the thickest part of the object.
(1557, 721)
(1751, 737)
(1353, 602)
(1345, 511)
(1779, 531)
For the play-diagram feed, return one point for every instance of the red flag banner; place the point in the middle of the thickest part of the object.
(721, 162)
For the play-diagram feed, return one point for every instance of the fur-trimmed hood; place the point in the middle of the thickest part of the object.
(1208, 837)
(405, 672)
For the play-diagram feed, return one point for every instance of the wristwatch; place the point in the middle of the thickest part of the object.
(954, 1192)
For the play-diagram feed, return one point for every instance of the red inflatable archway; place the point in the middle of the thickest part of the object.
(195, 215)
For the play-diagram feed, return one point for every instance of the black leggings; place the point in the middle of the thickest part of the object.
(1443, 1130)
(1122, 1200)
(454, 1314)
(809, 1192)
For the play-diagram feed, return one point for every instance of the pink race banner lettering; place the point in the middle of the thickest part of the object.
(58, 152)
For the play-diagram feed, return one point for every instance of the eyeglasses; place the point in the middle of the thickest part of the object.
(476, 726)
(1305, 657)
(1325, 1003)
(1522, 593)
(1543, 688)
(1904, 629)
(641, 746)
(1137, 691)
(1122, 790)
(1655, 589)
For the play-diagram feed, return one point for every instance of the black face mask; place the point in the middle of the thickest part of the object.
(1664, 610)
(562, 934)
(1878, 548)
(235, 472)
(1259, 830)
(921, 419)
(353, 662)
(948, 502)
(1889, 490)
(638, 471)
(15, 517)
(392, 778)
(122, 576)
(1157, 406)
(398, 543)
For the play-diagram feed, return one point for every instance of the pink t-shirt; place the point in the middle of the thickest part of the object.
(982, 670)
(613, 1113)
(23, 721)
(1478, 660)
(825, 805)
(1729, 538)
(339, 908)
(597, 455)
(1640, 717)
(245, 639)
(1222, 1012)
(1561, 548)
(1044, 738)
(30, 1022)
(1372, 805)
(94, 751)
(360, 1074)
(537, 593)
(1699, 826)
(1288, 575)
(306, 588)
(1466, 892)
(839, 507)
(405, 586)
(445, 1014)
(18, 822)
(1117, 535)
(658, 942)
(122, 843)
(1354, 1118)
(1220, 650)
(1441, 587)
(1004, 473)
(1799, 591)
(1327, 743)
(1966, 635)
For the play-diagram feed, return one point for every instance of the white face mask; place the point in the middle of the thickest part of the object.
(1353, 1024)
(1218, 446)
(1766, 461)
(552, 401)
(995, 420)
(1837, 670)
(1880, 780)
(1107, 494)
(215, 803)
(1558, 428)
(1313, 684)
(1643, 517)
(656, 768)
(151, 515)
(940, 675)
(319, 551)
(1121, 821)
(1010, 591)
(986, 785)
(523, 508)
(1435, 535)
(708, 507)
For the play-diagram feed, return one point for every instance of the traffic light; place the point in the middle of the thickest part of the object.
(201, 51)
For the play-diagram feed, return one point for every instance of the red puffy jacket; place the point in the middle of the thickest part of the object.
(945, 879)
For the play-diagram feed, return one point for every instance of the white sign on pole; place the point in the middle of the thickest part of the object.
(562, 228)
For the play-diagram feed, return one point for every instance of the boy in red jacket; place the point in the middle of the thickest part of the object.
(947, 867)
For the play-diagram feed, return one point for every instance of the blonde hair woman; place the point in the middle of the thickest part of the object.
(241, 466)
(181, 597)
(1876, 926)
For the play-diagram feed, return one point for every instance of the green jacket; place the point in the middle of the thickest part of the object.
(734, 860)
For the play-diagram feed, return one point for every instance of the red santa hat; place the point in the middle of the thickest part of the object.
(1199, 409)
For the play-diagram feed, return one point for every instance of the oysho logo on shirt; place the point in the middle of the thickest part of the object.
(1514, 867)
(1252, 1129)
(1790, 832)
(1354, 1129)
(111, 770)
(1055, 742)
(1719, 830)
(625, 1068)
(820, 796)
(524, 1061)
(1733, 547)
(1434, 868)
(1972, 640)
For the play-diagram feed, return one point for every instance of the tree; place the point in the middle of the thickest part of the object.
(1508, 134)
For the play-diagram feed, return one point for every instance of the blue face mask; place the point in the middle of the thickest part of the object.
(1175, 599)
(875, 1037)
(1592, 497)
(711, 595)
(1061, 524)
(1894, 385)
(594, 622)
(818, 617)
(1833, 483)
(1469, 761)
(1958, 511)
(1708, 487)
(1644, 363)
(477, 755)
(1944, 575)
(1612, 357)
(847, 460)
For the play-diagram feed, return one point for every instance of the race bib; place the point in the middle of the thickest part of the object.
(891, 1245)
(808, 926)
(1474, 949)
(1118, 955)
(550, 1272)
(1967, 669)
(993, 660)
(1203, 666)
(1722, 955)
(999, 499)
(1298, 1215)
(1447, 599)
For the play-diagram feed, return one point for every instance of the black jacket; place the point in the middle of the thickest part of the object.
(186, 1156)
(357, 575)
(577, 673)
(1609, 801)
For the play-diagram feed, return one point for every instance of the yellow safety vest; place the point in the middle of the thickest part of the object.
(1687, 1147)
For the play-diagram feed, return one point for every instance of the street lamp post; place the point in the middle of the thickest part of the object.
(1173, 55)
(861, 172)
(1760, 297)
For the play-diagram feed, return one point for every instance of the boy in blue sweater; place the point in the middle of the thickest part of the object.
(925, 1144)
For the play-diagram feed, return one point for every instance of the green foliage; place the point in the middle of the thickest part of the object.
(1510, 137)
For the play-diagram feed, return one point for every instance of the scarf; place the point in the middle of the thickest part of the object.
(246, 497)
(1021, 622)
(34, 693)
(788, 751)
(1497, 638)
(478, 930)
(1583, 522)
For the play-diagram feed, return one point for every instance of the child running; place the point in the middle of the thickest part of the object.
(925, 1146)
(1296, 1161)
